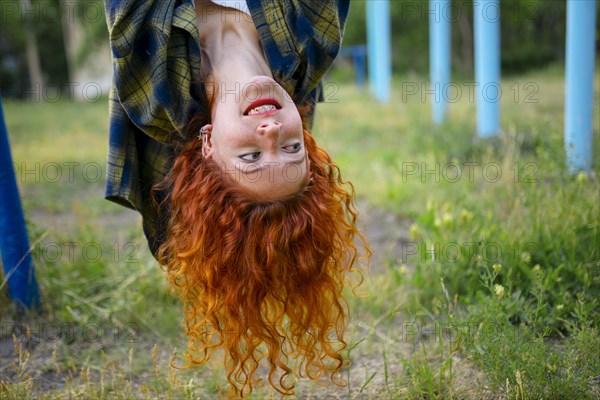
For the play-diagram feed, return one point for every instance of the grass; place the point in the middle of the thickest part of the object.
(494, 294)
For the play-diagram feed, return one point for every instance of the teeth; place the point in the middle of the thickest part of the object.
(263, 108)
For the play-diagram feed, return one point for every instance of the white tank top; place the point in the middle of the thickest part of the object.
(237, 4)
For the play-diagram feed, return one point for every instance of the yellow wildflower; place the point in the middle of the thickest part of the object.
(499, 290)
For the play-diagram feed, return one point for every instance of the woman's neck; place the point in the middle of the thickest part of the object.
(231, 50)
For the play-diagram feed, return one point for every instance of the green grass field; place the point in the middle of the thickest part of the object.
(485, 282)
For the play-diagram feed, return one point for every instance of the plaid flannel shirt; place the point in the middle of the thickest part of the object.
(157, 89)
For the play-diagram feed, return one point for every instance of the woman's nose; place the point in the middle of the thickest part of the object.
(269, 129)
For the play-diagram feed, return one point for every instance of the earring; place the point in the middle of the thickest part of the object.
(204, 143)
(202, 133)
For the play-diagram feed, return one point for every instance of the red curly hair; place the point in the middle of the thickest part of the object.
(262, 278)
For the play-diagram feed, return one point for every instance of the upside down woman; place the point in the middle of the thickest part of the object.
(210, 118)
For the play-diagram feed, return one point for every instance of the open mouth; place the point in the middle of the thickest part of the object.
(262, 107)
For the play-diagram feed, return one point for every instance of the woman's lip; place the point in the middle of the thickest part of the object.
(262, 102)
(264, 114)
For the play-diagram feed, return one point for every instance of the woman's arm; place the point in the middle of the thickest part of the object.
(156, 66)
(156, 60)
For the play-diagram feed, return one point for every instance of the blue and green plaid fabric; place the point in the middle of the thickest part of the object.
(157, 89)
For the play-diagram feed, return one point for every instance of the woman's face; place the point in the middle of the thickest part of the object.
(256, 137)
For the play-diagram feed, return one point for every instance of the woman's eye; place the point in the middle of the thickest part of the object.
(251, 156)
(293, 148)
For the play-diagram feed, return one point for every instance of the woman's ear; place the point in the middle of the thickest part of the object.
(309, 176)
(206, 135)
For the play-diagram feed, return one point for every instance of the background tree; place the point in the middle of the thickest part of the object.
(70, 33)
(33, 57)
(532, 34)
(66, 34)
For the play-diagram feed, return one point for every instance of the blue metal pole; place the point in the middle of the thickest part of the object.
(379, 42)
(487, 66)
(581, 28)
(14, 243)
(439, 56)
(359, 55)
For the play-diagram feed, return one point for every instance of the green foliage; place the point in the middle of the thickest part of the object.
(475, 203)
(425, 379)
(548, 237)
(532, 34)
(49, 33)
(44, 18)
(514, 237)
(520, 358)
(507, 308)
(13, 65)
